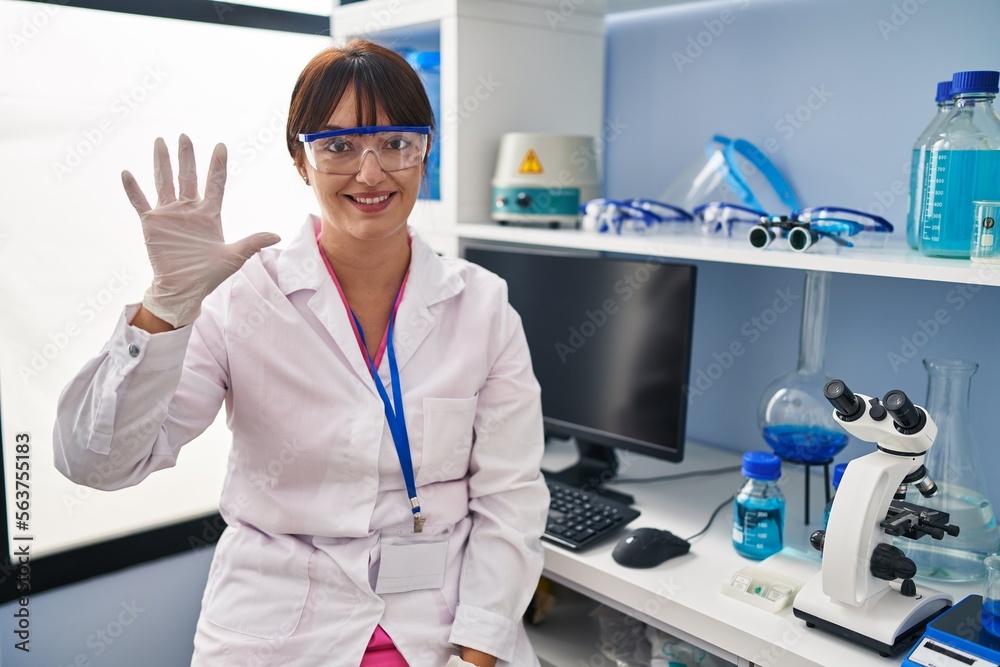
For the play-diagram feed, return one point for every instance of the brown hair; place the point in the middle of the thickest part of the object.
(381, 80)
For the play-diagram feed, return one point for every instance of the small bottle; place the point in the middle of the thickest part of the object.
(944, 106)
(759, 508)
(838, 474)
(962, 165)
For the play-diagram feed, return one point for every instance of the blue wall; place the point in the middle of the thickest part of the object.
(836, 92)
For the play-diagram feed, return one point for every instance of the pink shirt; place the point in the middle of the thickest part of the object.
(381, 652)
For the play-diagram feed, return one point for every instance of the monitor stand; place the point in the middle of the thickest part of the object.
(597, 465)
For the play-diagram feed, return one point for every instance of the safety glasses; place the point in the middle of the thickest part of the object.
(637, 215)
(396, 147)
(801, 229)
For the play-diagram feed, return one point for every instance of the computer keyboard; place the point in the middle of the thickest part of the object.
(579, 519)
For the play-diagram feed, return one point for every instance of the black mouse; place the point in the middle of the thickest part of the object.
(648, 547)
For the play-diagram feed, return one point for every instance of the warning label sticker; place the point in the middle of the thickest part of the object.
(530, 163)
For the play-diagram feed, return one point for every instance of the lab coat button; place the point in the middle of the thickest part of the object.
(133, 350)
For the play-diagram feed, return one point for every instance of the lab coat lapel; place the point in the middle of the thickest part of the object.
(430, 282)
(300, 267)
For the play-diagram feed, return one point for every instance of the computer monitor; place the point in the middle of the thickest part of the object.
(610, 341)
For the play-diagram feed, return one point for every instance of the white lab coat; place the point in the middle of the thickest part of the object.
(313, 478)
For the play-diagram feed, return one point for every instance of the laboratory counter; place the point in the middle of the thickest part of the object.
(683, 596)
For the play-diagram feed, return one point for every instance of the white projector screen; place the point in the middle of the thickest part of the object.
(83, 94)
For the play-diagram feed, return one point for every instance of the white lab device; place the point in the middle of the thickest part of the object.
(856, 595)
(541, 179)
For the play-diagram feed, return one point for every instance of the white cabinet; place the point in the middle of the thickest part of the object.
(528, 66)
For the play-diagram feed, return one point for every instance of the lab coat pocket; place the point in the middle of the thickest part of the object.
(258, 584)
(447, 438)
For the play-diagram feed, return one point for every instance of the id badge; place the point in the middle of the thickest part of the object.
(412, 561)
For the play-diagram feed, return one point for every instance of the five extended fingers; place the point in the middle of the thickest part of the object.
(187, 176)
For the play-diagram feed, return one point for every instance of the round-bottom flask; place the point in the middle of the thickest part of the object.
(794, 417)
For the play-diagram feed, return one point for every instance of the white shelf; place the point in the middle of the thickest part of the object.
(893, 260)
(570, 634)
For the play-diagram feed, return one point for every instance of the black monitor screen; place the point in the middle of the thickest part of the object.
(610, 342)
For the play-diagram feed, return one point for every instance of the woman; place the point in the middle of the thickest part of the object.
(385, 536)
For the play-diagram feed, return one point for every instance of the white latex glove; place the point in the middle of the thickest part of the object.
(183, 234)
(456, 661)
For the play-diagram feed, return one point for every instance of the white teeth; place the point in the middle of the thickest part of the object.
(376, 200)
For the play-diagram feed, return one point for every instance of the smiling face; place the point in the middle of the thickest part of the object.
(359, 84)
(372, 204)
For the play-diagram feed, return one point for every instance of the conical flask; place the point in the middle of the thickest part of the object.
(953, 462)
(794, 417)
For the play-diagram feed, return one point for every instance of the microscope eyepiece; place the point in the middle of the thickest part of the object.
(907, 417)
(849, 407)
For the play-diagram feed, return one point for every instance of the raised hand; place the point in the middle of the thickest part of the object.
(183, 234)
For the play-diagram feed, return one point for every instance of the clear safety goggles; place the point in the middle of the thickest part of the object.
(396, 147)
(801, 228)
(637, 215)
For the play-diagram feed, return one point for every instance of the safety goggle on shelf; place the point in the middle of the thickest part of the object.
(733, 169)
(801, 229)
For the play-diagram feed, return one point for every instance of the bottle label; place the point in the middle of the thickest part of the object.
(952, 180)
(758, 529)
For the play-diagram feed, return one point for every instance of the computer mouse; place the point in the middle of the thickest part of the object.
(648, 547)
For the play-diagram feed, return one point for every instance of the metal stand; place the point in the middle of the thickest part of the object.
(826, 478)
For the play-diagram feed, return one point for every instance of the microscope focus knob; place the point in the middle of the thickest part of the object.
(817, 540)
(890, 563)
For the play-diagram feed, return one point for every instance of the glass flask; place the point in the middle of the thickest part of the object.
(953, 462)
(794, 417)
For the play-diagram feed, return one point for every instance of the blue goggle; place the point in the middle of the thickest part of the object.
(636, 215)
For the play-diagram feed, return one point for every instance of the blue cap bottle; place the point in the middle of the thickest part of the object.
(759, 508)
(945, 103)
(962, 165)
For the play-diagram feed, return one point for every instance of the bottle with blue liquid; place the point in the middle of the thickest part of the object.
(759, 508)
(962, 165)
(945, 104)
(428, 66)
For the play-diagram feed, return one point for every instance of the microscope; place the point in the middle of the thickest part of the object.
(865, 591)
